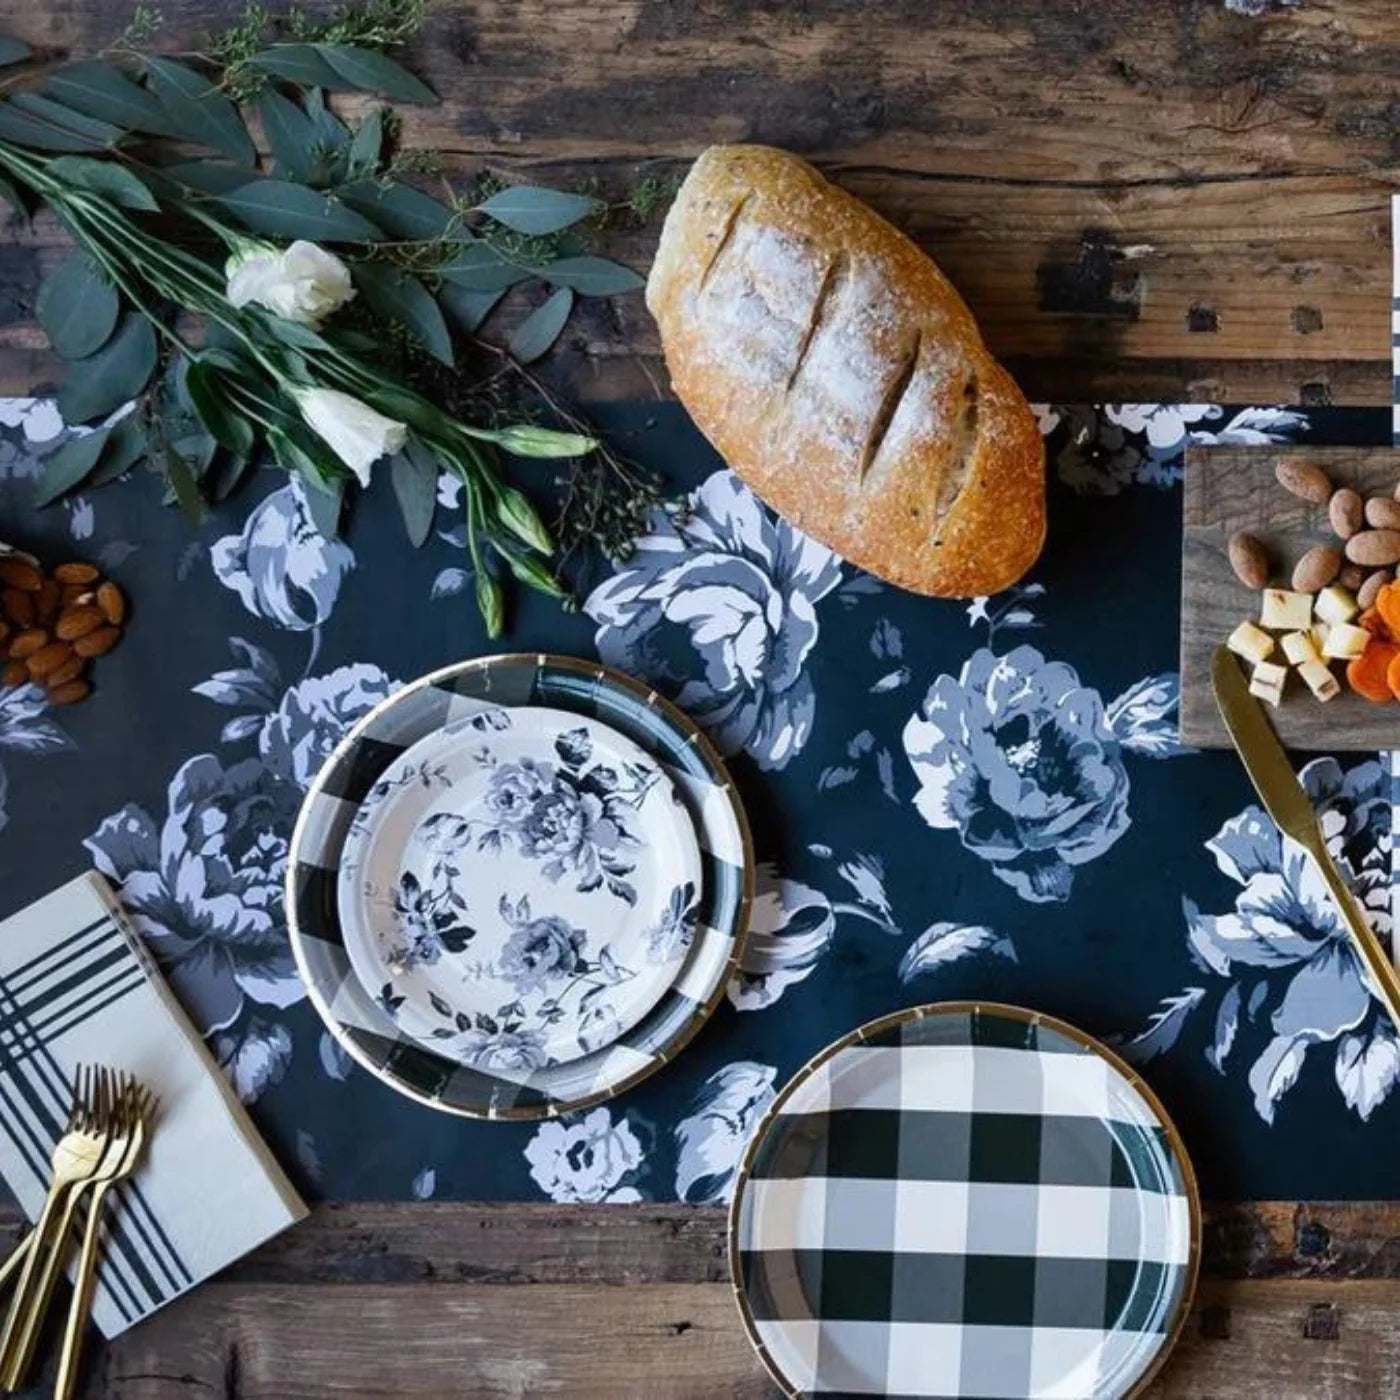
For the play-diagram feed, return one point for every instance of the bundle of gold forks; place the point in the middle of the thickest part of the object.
(100, 1146)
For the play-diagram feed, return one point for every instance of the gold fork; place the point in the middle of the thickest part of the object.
(76, 1157)
(137, 1108)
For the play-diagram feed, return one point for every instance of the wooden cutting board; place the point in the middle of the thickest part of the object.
(1233, 488)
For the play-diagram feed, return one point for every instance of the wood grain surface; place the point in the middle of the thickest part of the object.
(1234, 488)
(611, 1303)
(1150, 199)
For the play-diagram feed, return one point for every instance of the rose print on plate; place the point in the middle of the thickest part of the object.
(520, 888)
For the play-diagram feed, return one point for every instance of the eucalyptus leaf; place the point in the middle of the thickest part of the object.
(332, 135)
(200, 110)
(366, 145)
(542, 327)
(398, 208)
(323, 505)
(77, 307)
(300, 63)
(104, 92)
(12, 51)
(70, 466)
(98, 384)
(290, 134)
(225, 424)
(183, 484)
(126, 445)
(209, 176)
(468, 309)
(396, 296)
(198, 451)
(46, 109)
(230, 474)
(414, 473)
(293, 211)
(371, 71)
(592, 277)
(481, 268)
(535, 210)
(105, 177)
(39, 135)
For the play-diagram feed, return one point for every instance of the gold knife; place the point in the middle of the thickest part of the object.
(1278, 787)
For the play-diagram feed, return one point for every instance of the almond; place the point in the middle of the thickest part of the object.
(79, 621)
(68, 694)
(4, 630)
(15, 673)
(1304, 480)
(76, 593)
(103, 639)
(69, 671)
(1382, 513)
(1374, 547)
(1366, 594)
(76, 573)
(27, 643)
(1351, 577)
(1249, 559)
(46, 601)
(18, 606)
(112, 601)
(15, 573)
(1345, 510)
(1316, 569)
(48, 658)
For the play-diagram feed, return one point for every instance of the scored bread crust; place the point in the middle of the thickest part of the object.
(837, 371)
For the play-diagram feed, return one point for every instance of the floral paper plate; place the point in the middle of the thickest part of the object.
(505, 1077)
(523, 872)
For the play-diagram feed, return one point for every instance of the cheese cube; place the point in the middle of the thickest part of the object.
(1298, 647)
(1345, 641)
(1318, 632)
(1249, 642)
(1334, 604)
(1318, 678)
(1267, 682)
(1286, 612)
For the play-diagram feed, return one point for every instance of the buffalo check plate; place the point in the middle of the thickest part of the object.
(965, 1201)
(494, 1069)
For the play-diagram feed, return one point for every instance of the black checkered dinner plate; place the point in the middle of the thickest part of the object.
(965, 1200)
(358, 1017)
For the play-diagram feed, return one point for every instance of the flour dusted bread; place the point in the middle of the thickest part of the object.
(839, 373)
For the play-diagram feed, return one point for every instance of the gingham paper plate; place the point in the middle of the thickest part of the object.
(505, 1080)
(965, 1200)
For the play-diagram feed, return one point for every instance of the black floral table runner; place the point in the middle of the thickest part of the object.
(949, 800)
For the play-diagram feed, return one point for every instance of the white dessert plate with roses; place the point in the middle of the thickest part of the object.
(525, 873)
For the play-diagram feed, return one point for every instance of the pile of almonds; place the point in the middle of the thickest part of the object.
(1368, 531)
(53, 625)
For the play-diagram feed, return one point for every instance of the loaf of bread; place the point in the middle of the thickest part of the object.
(839, 373)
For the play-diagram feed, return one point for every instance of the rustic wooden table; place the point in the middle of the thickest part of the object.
(1145, 200)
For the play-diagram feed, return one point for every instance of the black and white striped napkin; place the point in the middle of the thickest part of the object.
(77, 987)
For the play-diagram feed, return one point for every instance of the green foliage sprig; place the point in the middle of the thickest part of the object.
(275, 365)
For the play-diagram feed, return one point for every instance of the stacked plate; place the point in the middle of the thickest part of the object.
(519, 886)
(965, 1201)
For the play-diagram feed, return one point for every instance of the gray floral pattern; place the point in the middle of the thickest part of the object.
(717, 606)
(281, 566)
(1281, 958)
(1017, 757)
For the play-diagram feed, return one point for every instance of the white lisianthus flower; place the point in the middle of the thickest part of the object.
(303, 283)
(354, 431)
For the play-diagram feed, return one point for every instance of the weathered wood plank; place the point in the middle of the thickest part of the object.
(439, 1298)
(1248, 1340)
(1234, 488)
(1142, 200)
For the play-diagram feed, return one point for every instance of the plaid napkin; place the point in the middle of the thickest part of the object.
(77, 986)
